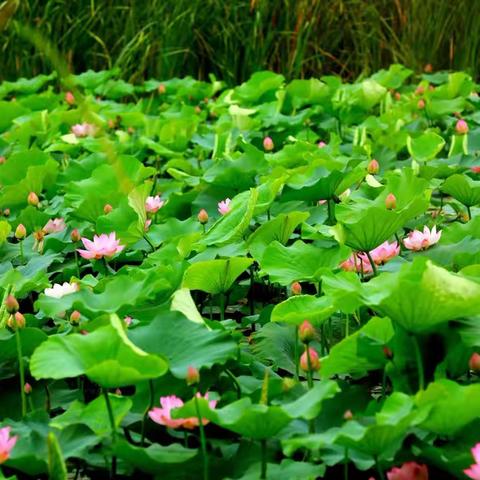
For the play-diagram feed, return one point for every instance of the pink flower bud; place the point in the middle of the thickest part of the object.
(198, 109)
(128, 321)
(16, 320)
(20, 231)
(27, 388)
(6, 212)
(75, 235)
(461, 127)
(107, 208)
(420, 90)
(428, 68)
(421, 104)
(475, 169)
(474, 362)
(268, 144)
(202, 216)
(314, 360)
(11, 304)
(75, 317)
(118, 391)
(193, 376)
(2, 159)
(387, 352)
(296, 288)
(69, 98)
(32, 199)
(321, 144)
(397, 96)
(348, 415)
(306, 332)
(391, 201)
(408, 471)
(161, 89)
(373, 167)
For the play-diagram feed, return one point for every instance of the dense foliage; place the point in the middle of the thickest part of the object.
(297, 264)
(235, 38)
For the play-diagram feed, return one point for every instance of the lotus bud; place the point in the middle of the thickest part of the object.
(321, 144)
(268, 144)
(6, 212)
(314, 360)
(348, 415)
(32, 199)
(428, 68)
(2, 159)
(474, 362)
(288, 383)
(130, 130)
(118, 391)
(16, 320)
(421, 104)
(475, 169)
(198, 109)
(420, 90)
(461, 127)
(69, 98)
(296, 288)
(390, 201)
(161, 89)
(193, 376)
(20, 231)
(306, 332)
(128, 321)
(11, 304)
(107, 208)
(373, 167)
(202, 216)
(75, 235)
(387, 352)
(27, 388)
(397, 96)
(75, 317)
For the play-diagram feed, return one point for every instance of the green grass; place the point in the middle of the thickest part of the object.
(234, 38)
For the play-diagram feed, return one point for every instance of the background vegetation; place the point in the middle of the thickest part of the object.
(234, 38)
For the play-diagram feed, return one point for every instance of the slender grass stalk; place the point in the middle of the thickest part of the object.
(21, 370)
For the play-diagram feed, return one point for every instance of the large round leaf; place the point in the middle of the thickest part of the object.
(106, 356)
(426, 146)
(298, 308)
(463, 189)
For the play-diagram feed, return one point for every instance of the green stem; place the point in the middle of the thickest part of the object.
(145, 236)
(21, 369)
(203, 438)
(379, 470)
(372, 263)
(113, 470)
(149, 407)
(295, 355)
(3, 307)
(78, 265)
(418, 358)
(469, 213)
(309, 373)
(263, 472)
(235, 383)
(22, 258)
(347, 325)
(345, 467)
(222, 307)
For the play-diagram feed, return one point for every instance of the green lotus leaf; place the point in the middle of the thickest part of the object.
(298, 308)
(463, 189)
(421, 296)
(215, 276)
(106, 356)
(425, 147)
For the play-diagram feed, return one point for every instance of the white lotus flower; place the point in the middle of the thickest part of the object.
(58, 291)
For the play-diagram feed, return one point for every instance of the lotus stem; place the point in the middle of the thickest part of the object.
(77, 264)
(22, 258)
(263, 472)
(145, 236)
(222, 306)
(203, 438)
(347, 325)
(21, 369)
(345, 467)
(295, 355)
(469, 213)
(113, 469)
(372, 263)
(418, 358)
(149, 407)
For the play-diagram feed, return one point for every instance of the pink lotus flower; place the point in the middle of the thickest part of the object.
(162, 415)
(102, 246)
(55, 225)
(224, 206)
(384, 252)
(6, 444)
(417, 240)
(59, 291)
(474, 470)
(358, 262)
(83, 129)
(475, 169)
(408, 471)
(154, 204)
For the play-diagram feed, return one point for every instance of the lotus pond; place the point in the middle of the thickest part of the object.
(278, 280)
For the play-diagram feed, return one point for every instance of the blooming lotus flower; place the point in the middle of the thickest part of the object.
(59, 291)
(154, 204)
(224, 206)
(162, 415)
(408, 471)
(357, 262)
(6, 444)
(83, 129)
(417, 240)
(55, 225)
(102, 246)
(474, 470)
(384, 252)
